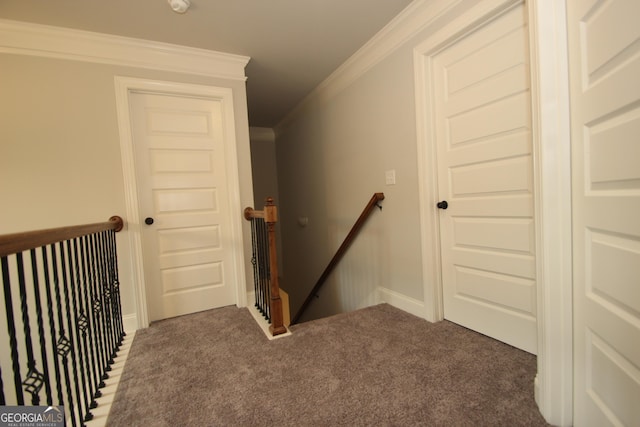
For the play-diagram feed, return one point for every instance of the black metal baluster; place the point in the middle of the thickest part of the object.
(76, 315)
(103, 302)
(63, 346)
(262, 267)
(2, 398)
(265, 268)
(85, 249)
(116, 286)
(34, 379)
(83, 293)
(267, 277)
(43, 347)
(96, 306)
(104, 296)
(67, 280)
(52, 328)
(108, 297)
(88, 296)
(11, 326)
(112, 293)
(254, 260)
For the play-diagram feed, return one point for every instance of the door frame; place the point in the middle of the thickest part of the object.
(124, 87)
(552, 188)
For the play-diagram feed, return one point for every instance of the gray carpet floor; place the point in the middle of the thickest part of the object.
(378, 366)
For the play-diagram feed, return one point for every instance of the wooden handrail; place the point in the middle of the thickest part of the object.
(18, 242)
(270, 216)
(377, 197)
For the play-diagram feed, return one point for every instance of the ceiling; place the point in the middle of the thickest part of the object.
(293, 44)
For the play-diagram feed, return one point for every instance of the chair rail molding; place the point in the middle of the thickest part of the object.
(63, 43)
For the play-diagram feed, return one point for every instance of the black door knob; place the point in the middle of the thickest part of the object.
(148, 220)
(443, 205)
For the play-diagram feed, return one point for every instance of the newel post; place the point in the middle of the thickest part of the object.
(270, 218)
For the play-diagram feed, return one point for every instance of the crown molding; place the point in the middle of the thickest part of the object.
(56, 42)
(415, 18)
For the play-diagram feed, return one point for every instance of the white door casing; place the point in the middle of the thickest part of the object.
(552, 174)
(604, 54)
(481, 104)
(125, 86)
(179, 156)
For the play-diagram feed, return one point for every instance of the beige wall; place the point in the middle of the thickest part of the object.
(60, 150)
(265, 180)
(264, 165)
(332, 156)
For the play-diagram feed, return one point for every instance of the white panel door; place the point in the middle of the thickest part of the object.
(180, 166)
(483, 137)
(604, 54)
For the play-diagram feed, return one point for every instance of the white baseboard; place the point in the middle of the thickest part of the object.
(130, 322)
(101, 413)
(403, 302)
(259, 318)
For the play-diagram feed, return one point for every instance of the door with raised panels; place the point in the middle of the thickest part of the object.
(604, 55)
(484, 149)
(182, 185)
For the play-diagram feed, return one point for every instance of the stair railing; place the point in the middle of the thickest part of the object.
(63, 325)
(265, 265)
(373, 202)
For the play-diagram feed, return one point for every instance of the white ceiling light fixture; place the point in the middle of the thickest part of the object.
(179, 6)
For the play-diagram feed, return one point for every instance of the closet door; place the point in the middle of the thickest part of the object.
(604, 53)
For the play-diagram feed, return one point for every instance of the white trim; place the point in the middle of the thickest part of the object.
(131, 202)
(551, 126)
(123, 87)
(55, 42)
(415, 18)
(260, 320)
(130, 323)
(101, 413)
(428, 190)
(403, 302)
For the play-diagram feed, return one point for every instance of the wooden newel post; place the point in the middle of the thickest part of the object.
(270, 218)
